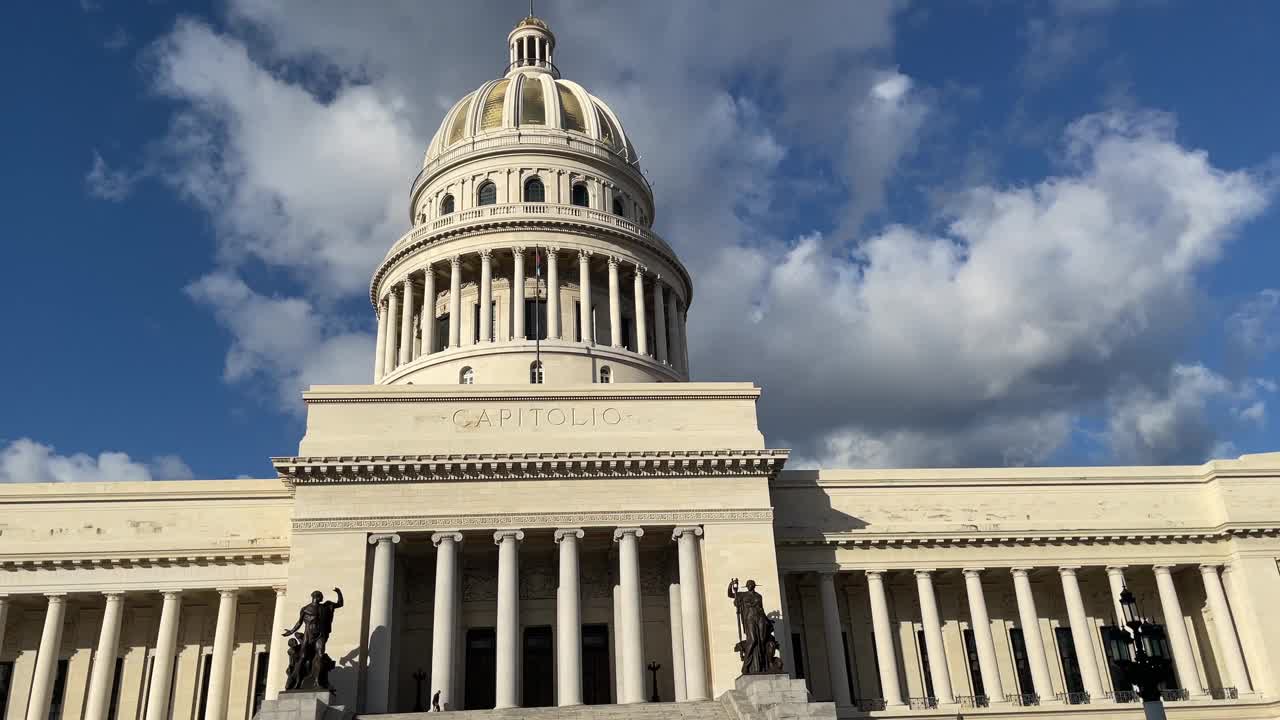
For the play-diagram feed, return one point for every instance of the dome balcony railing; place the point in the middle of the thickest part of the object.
(583, 145)
(489, 213)
(533, 62)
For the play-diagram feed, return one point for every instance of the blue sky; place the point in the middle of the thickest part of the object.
(936, 234)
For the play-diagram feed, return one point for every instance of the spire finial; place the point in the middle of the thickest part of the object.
(530, 8)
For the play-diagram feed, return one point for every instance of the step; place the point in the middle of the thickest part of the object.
(701, 710)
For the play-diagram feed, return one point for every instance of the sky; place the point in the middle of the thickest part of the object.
(936, 234)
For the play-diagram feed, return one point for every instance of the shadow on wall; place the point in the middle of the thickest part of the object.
(803, 509)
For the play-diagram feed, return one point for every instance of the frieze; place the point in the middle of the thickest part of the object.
(408, 523)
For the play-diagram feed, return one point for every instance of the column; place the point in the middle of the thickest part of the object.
(615, 305)
(455, 301)
(553, 294)
(1225, 629)
(837, 671)
(1081, 633)
(676, 619)
(380, 347)
(224, 641)
(278, 652)
(695, 646)
(445, 618)
(1029, 620)
(682, 322)
(162, 663)
(673, 328)
(381, 597)
(393, 319)
(632, 642)
(1176, 626)
(659, 320)
(486, 296)
(980, 621)
(782, 628)
(1115, 579)
(506, 687)
(4, 617)
(428, 310)
(641, 324)
(517, 293)
(584, 292)
(932, 623)
(568, 621)
(103, 671)
(47, 659)
(406, 324)
(886, 660)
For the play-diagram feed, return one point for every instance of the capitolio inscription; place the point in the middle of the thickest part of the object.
(532, 418)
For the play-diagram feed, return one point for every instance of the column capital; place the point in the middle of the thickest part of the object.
(640, 270)
(551, 249)
(585, 254)
(455, 260)
(1164, 569)
(614, 261)
(228, 591)
(686, 529)
(518, 251)
(113, 594)
(622, 532)
(1116, 569)
(1020, 571)
(501, 535)
(486, 253)
(427, 266)
(924, 572)
(563, 533)
(171, 593)
(407, 280)
(280, 590)
(975, 572)
(453, 535)
(874, 573)
(56, 597)
(1209, 568)
(383, 537)
(1068, 570)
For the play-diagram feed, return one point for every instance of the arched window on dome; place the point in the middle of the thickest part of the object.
(606, 375)
(467, 376)
(534, 191)
(446, 205)
(580, 196)
(487, 194)
(618, 206)
(535, 373)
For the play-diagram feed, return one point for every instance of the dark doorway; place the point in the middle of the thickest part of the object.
(924, 664)
(595, 665)
(481, 668)
(1021, 665)
(975, 668)
(1070, 661)
(539, 678)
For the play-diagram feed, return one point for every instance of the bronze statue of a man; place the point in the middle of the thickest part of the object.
(309, 665)
(756, 645)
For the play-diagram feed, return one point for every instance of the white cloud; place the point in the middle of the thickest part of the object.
(106, 183)
(1254, 327)
(27, 461)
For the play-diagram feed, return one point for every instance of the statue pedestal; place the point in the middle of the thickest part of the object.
(303, 705)
(773, 697)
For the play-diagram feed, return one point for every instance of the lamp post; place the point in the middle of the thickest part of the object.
(1149, 665)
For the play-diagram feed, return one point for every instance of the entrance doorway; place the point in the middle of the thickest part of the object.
(539, 677)
(595, 665)
(481, 669)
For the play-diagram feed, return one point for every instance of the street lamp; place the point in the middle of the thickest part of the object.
(1149, 665)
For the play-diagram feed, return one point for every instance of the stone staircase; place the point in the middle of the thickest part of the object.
(703, 710)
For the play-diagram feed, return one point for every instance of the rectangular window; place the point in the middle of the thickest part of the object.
(475, 323)
(539, 681)
(1115, 646)
(260, 680)
(797, 654)
(1070, 662)
(535, 319)
(118, 676)
(628, 332)
(1021, 666)
(975, 669)
(206, 669)
(577, 321)
(59, 691)
(6, 682)
(924, 664)
(442, 333)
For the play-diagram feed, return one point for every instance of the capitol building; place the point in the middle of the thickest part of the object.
(532, 506)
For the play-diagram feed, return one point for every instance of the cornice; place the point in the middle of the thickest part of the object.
(333, 470)
(180, 558)
(153, 494)
(870, 541)
(434, 523)
(526, 397)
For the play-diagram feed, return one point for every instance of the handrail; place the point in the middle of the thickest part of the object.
(536, 210)
(531, 62)
(583, 144)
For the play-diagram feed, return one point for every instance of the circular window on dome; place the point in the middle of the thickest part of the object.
(487, 194)
(534, 191)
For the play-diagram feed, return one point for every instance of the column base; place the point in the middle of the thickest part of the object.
(774, 697)
(303, 705)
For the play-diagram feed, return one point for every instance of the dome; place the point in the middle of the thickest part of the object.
(530, 100)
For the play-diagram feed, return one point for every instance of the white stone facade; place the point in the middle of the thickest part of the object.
(514, 538)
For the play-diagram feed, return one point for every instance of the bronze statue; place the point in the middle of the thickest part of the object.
(757, 646)
(309, 666)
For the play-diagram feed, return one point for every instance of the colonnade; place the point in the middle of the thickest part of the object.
(1082, 633)
(406, 316)
(102, 669)
(688, 641)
